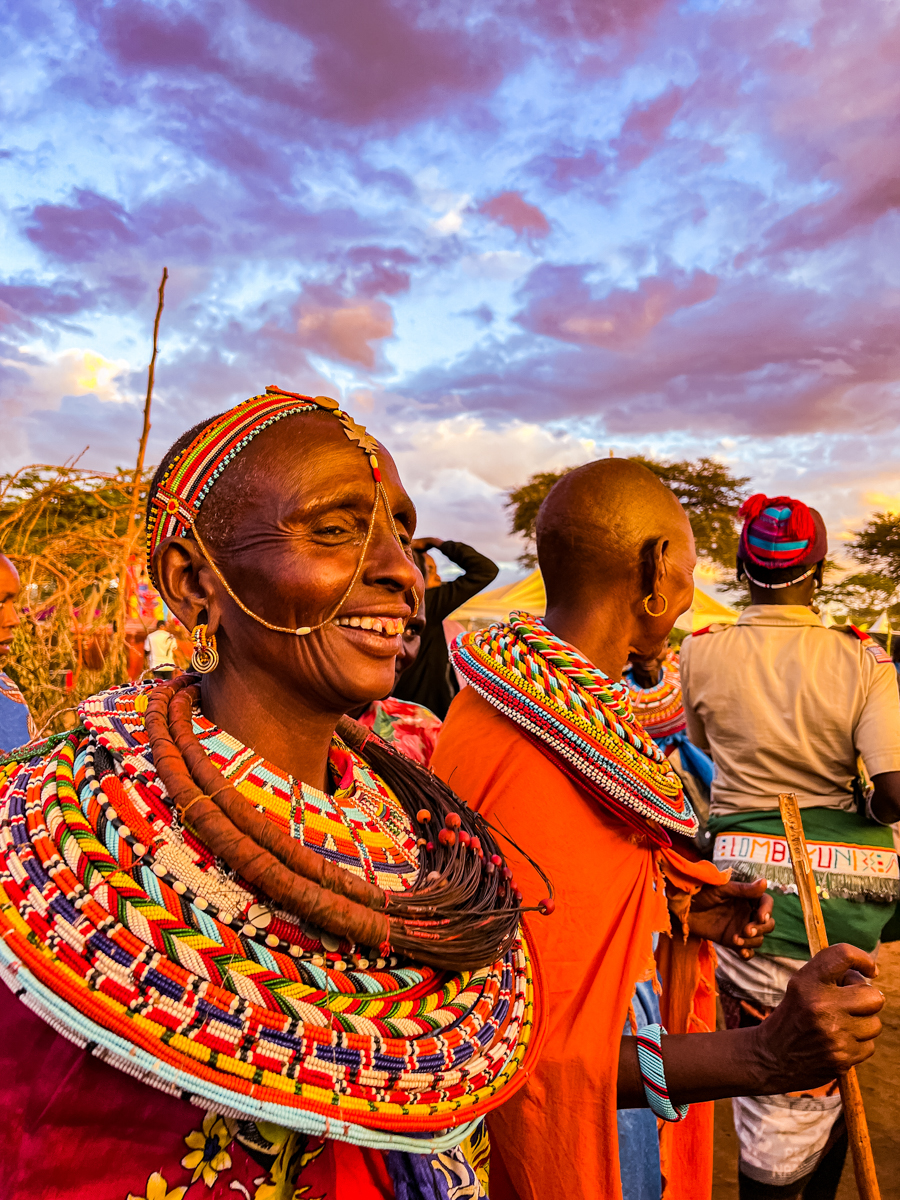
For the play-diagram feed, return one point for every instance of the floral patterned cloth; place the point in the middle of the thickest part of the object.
(409, 727)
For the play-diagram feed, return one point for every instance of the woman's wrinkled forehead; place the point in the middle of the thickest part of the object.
(302, 464)
(193, 472)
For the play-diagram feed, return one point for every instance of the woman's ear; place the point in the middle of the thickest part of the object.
(186, 582)
(660, 565)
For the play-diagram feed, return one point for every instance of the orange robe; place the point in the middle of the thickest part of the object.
(558, 1136)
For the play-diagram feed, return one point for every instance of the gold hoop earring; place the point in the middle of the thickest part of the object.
(205, 657)
(649, 611)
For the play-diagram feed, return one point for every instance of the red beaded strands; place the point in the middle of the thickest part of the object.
(301, 881)
(463, 911)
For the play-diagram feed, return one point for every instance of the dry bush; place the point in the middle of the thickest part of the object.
(66, 529)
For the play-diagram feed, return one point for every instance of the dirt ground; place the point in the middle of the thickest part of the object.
(880, 1082)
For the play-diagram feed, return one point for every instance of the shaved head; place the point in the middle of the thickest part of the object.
(603, 523)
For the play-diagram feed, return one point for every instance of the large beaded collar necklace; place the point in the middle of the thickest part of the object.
(126, 933)
(659, 708)
(580, 716)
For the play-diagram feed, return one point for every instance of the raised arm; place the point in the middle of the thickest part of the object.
(478, 572)
(826, 1023)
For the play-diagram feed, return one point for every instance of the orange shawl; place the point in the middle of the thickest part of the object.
(558, 1136)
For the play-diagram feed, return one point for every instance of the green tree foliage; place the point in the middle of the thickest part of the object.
(863, 596)
(65, 530)
(877, 545)
(866, 594)
(711, 496)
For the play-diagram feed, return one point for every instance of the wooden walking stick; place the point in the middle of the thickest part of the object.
(854, 1113)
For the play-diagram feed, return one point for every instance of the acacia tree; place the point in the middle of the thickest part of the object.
(866, 594)
(877, 545)
(711, 496)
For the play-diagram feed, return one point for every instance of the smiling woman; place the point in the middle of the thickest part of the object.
(236, 895)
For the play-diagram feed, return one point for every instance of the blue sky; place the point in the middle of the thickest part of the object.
(510, 235)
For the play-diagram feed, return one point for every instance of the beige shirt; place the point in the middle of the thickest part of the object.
(161, 649)
(784, 704)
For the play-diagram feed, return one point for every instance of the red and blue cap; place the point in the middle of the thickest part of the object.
(780, 533)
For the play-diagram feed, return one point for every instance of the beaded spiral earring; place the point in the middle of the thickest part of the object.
(205, 657)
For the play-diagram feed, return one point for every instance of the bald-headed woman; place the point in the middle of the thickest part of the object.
(545, 745)
(249, 949)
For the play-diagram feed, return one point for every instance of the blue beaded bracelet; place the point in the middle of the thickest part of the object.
(649, 1052)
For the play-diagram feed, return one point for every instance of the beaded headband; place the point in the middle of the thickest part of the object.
(188, 480)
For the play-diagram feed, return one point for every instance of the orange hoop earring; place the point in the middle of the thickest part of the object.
(649, 611)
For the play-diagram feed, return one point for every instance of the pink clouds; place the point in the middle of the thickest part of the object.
(617, 321)
(344, 330)
(645, 126)
(82, 230)
(513, 210)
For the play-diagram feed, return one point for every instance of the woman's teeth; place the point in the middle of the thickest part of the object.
(389, 626)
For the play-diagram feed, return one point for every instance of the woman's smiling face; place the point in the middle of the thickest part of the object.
(286, 524)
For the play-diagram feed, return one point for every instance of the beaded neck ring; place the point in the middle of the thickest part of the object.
(774, 587)
(188, 481)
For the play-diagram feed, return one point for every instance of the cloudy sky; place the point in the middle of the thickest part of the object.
(511, 234)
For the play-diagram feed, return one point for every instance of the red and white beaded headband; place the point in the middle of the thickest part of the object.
(187, 482)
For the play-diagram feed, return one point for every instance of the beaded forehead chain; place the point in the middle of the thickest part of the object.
(187, 482)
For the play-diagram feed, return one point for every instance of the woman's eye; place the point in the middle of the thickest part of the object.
(331, 530)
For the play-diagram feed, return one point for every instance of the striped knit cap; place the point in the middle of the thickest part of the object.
(780, 532)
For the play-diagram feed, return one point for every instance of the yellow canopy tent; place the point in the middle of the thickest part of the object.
(529, 594)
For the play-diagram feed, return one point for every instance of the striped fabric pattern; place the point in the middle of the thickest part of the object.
(653, 1075)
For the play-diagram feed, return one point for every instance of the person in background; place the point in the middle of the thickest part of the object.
(16, 726)
(430, 680)
(543, 742)
(161, 649)
(655, 686)
(404, 725)
(786, 705)
(895, 655)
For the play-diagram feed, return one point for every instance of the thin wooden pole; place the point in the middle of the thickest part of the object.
(854, 1113)
(130, 532)
(151, 374)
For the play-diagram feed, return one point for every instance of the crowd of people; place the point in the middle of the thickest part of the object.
(345, 911)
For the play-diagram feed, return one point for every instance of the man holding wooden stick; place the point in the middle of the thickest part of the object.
(785, 704)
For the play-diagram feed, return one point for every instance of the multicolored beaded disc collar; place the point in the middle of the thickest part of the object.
(181, 493)
(124, 933)
(659, 708)
(584, 719)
